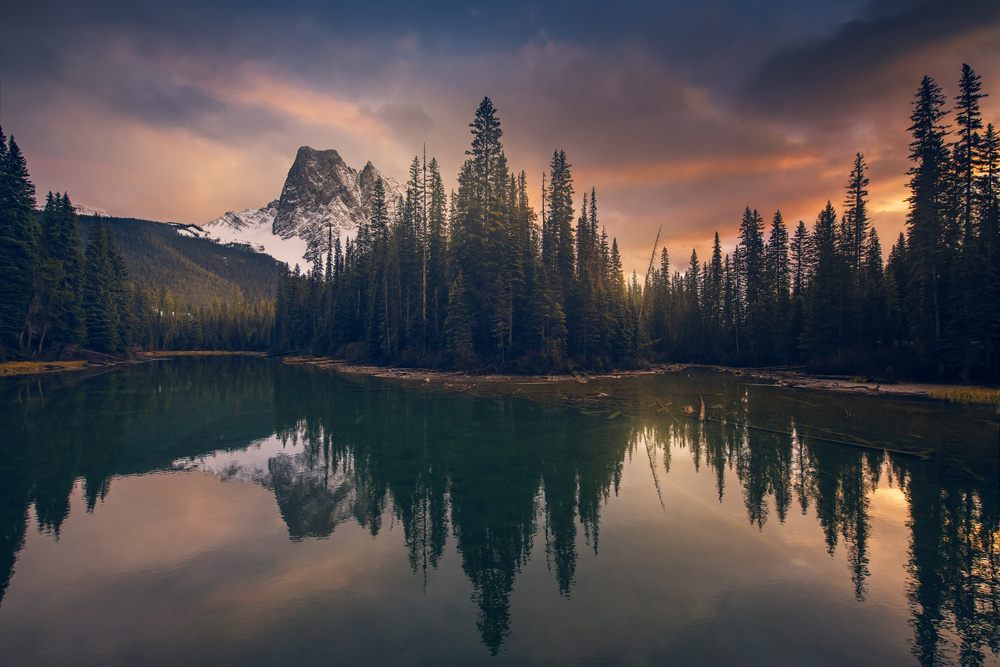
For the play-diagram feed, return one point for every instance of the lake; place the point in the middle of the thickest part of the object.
(231, 510)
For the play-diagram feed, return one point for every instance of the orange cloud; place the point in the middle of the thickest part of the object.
(652, 173)
(254, 86)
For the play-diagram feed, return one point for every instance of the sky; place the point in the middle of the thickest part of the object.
(679, 114)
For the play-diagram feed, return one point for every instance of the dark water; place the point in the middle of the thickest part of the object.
(241, 511)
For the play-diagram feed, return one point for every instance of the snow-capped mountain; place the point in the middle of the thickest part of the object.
(321, 195)
(254, 227)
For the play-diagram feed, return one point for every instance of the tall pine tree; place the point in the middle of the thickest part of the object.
(17, 247)
(928, 220)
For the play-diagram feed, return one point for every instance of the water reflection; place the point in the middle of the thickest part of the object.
(496, 473)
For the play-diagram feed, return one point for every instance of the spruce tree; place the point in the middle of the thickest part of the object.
(617, 295)
(777, 284)
(875, 301)
(825, 299)
(558, 250)
(123, 295)
(799, 251)
(713, 301)
(458, 324)
(480, 225)
(379, 321)
(967, 148)
(928, 220)
(17, 247)
(437, 285)
(856, 214)
(751, 264)
(99, 288)
(57, 317)
(897, 278)
(966, 329)
(691, 308)
(988, 214)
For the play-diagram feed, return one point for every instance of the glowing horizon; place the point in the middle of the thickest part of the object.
(676, 115)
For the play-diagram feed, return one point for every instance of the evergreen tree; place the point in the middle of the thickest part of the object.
(875, 301)
(966, 331)
(825, 299)
(854, 235)
(897, 280)
(800, 258)
(54, 314)
(691, 308)
(856, 214)
(17, 247)
(751, 266)
(967, 148)
(988, 214)
(480, 225)
(524, 257)
(557, 251)
(619, 307)
(928, 220)
(777, 288)
(660, 312)
(126, 320)
(713, 303)
(99, 289)
(380, 324)
(437, 282)
(458, 324)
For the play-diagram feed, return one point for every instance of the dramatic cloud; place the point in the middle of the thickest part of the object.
(679, 115)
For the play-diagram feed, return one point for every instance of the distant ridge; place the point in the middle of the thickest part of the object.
(198, 271)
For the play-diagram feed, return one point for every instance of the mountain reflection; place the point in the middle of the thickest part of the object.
(496, 473)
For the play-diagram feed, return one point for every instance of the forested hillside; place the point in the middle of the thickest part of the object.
(68, 288)
(195, 270)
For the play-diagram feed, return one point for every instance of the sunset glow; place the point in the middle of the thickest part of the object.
(676, 115)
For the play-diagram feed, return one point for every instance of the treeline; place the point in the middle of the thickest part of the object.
(824, 296)
(474, 280)
(478, 279)
(61, 297)
(471, 280)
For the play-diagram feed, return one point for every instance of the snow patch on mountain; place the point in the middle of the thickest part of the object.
(253, 227)
(82, 209)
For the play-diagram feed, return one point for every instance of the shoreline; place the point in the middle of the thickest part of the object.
(101, 361)
(461, 381)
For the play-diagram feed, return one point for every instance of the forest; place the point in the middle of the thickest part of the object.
(477, 279)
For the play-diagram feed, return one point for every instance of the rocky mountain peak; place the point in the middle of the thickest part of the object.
(321, 195)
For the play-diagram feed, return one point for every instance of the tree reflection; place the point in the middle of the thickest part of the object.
(488, 466)
(61, 428)
(496, 472)
(954, 557)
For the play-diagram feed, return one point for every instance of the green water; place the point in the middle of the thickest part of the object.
(243, 511)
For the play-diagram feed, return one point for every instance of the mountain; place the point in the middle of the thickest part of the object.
(322, 195)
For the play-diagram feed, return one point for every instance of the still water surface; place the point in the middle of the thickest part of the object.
(243, 511)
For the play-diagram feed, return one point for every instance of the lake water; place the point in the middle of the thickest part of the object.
(243, 511)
